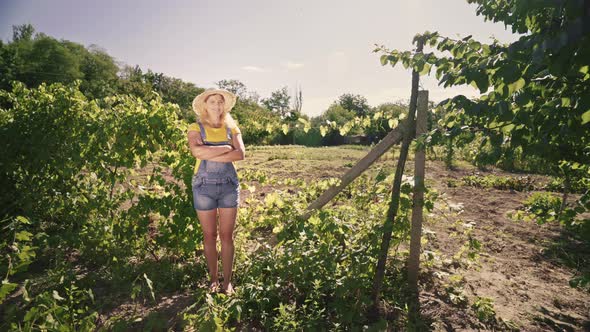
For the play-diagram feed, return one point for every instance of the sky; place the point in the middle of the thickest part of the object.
(324, 47)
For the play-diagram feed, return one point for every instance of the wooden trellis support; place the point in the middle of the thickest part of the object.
(394, 137)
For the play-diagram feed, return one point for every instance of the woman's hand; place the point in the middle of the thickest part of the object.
(199, 140)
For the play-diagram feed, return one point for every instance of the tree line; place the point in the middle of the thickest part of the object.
(34, 57)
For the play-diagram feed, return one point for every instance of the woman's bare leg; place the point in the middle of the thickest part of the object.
(227, 223)
(208, 220)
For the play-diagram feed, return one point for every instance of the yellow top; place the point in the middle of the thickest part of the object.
(213, 135)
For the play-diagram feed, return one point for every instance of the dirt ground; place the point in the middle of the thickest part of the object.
(522, 267)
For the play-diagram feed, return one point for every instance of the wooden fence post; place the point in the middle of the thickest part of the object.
(418, 205)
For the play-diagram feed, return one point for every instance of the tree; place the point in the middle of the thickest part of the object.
(100, 73)
(22, 32)
(380, 128)
(240, 90)
(297, 101)
(338, 114)
(535, 91)
(356, 103)
(132, 81)
(234, 86)
(45, 59)
(49, 61)
(278, 102)
(253, 120)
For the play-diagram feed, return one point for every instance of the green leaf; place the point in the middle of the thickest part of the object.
(586, 117)
(502, 90)
(405, 63)
(285, 128)
(306, 128)
(482, 83)
(269, 128)
(23, 236)
(514, 87)
(56, 296)
(23, 220)
(508, 128)
(150, 286)
(425, 69)
(345, 128)
(7, 288)
(393, 59)
(565, 102)
(392, 123)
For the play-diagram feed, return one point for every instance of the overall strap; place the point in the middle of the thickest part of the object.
(228, 133)
(203, 163)
(203, 135)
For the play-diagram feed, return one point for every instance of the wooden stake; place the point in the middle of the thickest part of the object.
(417, 209)
(409, 132)
(394, 137)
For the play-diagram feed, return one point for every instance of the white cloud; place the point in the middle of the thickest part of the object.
(254, 69)
(290, 65)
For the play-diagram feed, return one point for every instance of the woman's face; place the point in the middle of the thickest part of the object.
(215, 105)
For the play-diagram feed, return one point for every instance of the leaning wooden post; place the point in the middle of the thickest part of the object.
(394, 137)
(417, 209)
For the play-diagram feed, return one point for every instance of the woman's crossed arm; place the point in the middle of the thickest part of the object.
(205, 152)
(238, 151)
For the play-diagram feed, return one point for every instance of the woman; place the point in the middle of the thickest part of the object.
(216, 142)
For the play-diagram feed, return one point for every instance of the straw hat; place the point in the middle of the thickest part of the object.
(199, 101)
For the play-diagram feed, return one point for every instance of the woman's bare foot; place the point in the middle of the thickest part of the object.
(214, 286)
(228, 289)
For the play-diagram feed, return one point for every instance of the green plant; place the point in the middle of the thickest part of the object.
(535, 96)
(521, 183)
(50, 311)
(469, 251)
(582, 281)
(579, 185)
(484, 309)
(18, 251)
(142, 287)
(544, 206)
(454, 290)
(214, 312)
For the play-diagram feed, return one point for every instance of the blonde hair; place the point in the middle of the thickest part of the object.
(202, 115)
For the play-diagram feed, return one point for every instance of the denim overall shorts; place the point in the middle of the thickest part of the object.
(215, 185)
